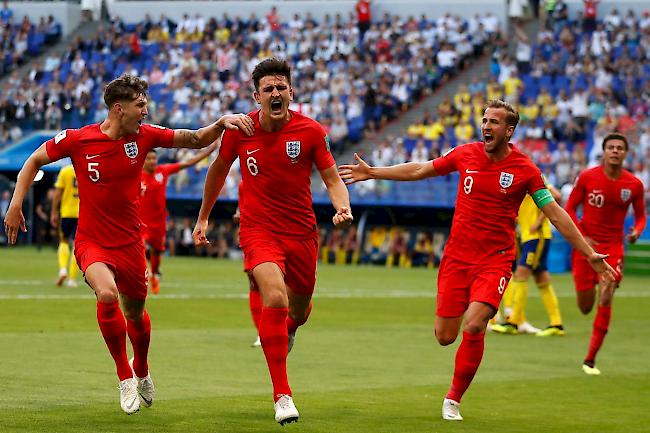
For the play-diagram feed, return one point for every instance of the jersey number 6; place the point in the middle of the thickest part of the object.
(251, 163)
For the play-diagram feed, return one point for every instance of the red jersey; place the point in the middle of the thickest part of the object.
(605, 203)
(276, 174)
(489, 196)
(363, 11)
(108, 174)
(590, 8)
(153, 198)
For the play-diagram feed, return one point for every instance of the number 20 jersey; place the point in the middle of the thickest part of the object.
(108, 174)
(605, 203)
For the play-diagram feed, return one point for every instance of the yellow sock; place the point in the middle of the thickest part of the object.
(73, 269)
(63, 254)
(520, 299)
(551, 303)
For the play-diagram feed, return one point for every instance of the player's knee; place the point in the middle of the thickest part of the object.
(106, 294)
(585, 308)
(474, 327)
(133, 314)
(276, 299)
(445, 338)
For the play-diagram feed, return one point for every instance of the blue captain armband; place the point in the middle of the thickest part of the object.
(542, 197)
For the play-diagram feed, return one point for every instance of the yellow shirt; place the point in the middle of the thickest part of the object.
(464, 132)
(528, 214)
(433, 131)
(67, 183)
(512, 85)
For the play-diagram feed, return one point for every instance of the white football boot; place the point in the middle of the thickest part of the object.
(129, 399)
(146, 390)
(285, 410)
(451, 410)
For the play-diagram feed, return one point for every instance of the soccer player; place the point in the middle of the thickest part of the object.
(477, 262)
(278, 232)
(108, 159)
(66, 194)
(153, 206)
(605, 193)
(535, 232)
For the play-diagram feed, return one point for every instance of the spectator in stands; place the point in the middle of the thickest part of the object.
(364, 18)
(6, 14)
(589, 15)
(420, 152)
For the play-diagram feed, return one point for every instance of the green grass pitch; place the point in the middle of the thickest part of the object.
(366, 361)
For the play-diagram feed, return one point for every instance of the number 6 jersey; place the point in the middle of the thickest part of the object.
(276, 173)
(108, 175)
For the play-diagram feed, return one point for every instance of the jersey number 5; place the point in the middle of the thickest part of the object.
(93, 172)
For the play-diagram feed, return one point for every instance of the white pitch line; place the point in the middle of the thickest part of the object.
(339, 295)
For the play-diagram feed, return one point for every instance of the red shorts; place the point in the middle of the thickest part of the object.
(155, 237)
(461, 283)
(128, 263)
(296, 258)
(584, 276)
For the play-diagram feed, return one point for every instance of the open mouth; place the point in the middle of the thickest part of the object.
(276, 106)
(488, 138)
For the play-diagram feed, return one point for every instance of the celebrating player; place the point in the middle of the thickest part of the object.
(278, 232)
(67, 195)
(477, 262)
(108, 159)
(153, 206)
(605, 193)
(535, 232)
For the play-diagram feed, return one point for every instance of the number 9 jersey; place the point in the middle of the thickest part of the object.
(108, 176)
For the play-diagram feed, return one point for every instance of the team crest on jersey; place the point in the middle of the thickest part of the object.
(159, 177)
(506, 179)
(626, 194)
(131, 149)
(293, 149)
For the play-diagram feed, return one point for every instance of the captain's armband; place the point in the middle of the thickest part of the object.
(542, 197)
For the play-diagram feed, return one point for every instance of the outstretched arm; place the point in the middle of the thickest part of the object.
(200, 155)
(565, 225)
(407, 171)
(14, 219)
(214, 181)
(208, 134)
(339, 196)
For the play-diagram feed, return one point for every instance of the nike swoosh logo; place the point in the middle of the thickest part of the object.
(250, 152)
(145, 400)
(91, 156)
(131, 405)
(467, 170)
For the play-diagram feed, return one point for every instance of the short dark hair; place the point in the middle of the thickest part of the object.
(271, 66)
(125, 88)
(512, 116)
(616, 136)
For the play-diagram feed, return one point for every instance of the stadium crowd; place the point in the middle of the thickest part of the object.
(572, 87)
(350, 80)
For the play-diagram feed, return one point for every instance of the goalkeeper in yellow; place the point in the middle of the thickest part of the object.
(67, 195)
(535, 232)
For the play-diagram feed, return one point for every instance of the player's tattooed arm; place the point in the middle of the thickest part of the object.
(187, 138)
(208, 134)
